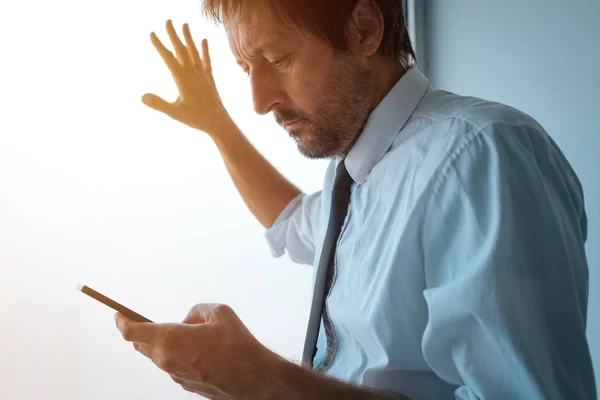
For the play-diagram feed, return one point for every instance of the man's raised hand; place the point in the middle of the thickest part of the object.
(199, 104)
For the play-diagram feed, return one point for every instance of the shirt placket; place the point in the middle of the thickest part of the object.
(332, 343)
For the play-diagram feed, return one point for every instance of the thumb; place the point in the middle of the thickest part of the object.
(157, 103)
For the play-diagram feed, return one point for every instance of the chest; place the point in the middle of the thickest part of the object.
(376, 296)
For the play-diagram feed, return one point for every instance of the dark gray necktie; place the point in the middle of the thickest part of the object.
(340, 198)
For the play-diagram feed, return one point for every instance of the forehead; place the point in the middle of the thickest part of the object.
(257, 30)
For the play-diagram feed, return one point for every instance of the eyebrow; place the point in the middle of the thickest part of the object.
(261, 50)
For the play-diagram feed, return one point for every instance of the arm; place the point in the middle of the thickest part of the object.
(506, 272)
(213, 354)
(294, 382)
(300, 383)
(264, 190)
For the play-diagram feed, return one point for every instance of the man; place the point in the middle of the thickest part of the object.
(448, 238)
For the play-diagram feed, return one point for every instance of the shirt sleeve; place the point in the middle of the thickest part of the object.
(506, 271)
(294, 229)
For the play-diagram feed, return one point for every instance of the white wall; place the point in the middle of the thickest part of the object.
(96, 188)
(543, 57)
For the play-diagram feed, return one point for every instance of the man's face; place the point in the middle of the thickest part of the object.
(322, 98)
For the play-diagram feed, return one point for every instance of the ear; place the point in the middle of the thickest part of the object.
(365, 28)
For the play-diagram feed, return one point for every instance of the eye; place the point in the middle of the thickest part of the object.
(280, 62)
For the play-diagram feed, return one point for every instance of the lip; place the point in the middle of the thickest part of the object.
(287, 125)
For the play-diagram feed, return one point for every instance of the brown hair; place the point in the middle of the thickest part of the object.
(327, 20)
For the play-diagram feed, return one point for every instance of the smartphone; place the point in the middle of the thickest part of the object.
(132, 315)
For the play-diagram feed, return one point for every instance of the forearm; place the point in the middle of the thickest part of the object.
(294, 382)
(264, 190)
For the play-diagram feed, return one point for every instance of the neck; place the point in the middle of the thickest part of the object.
(386, 76)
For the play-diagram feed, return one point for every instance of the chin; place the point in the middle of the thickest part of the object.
(306, 148)
(309, 150)
(301, 137)
(307, 145)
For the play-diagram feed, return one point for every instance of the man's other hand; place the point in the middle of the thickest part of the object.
(210, 353)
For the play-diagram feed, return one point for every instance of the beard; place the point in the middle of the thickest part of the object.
(343, 106)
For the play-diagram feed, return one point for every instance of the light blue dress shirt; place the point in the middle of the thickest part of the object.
(461, 270)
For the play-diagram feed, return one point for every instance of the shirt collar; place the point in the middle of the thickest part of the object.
(384, 123)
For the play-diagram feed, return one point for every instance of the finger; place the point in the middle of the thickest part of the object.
(164, 360)
(206, 56)
(154, 355)
(180, 50)
(166, 55)
(191, 46)
(207, 63)
(157, 103)
(145, 349)
(182, 381)
(198, 387)
(141, 332)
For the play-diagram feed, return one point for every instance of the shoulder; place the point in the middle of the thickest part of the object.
(449, 133)
(442, 106)
(445, 124)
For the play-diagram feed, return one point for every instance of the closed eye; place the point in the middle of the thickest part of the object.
(280, 62)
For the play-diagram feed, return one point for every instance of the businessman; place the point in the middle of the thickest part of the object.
(447, 241)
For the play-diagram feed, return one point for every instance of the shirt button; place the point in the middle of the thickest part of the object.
(366, 176)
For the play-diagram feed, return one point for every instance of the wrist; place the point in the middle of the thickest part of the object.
(259, 377)
(268, 377)
(222, 125)
(282, 378)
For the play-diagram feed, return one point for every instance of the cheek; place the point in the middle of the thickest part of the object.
(307, 83)
(307, 96)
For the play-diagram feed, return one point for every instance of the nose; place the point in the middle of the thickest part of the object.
(267, 92)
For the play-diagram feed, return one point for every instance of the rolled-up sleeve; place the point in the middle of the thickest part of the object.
(294, 229)
(506, 272)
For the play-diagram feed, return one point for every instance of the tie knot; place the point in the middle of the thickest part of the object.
(343, 180)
